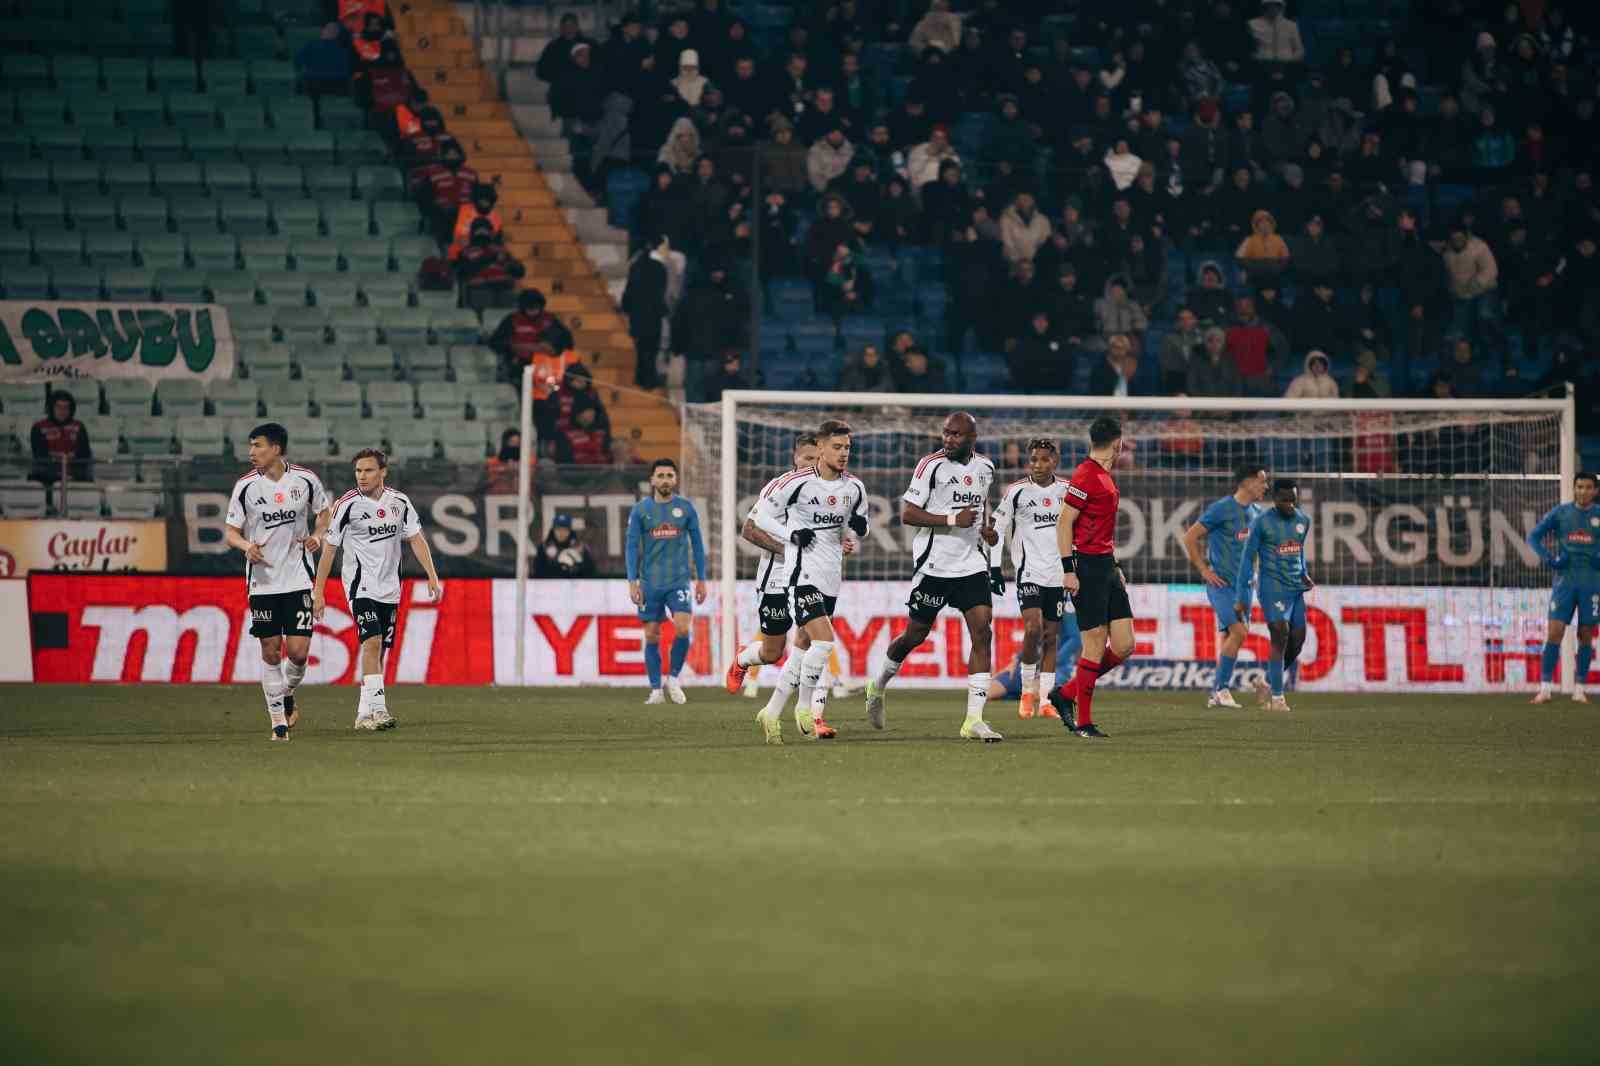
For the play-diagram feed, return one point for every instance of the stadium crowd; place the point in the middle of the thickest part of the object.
(1138, 197)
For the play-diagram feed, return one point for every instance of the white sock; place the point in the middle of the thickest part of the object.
(1045, 686)
(1544, 687)
(812, 667)
(819, 698)
(977, 695)
(750, 654)
(372, 693)
(293, 674)
(887, 671)
(788, 679)
(1030, 677)
(272, 688)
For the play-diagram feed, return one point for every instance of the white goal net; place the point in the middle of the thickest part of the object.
(1420, 512)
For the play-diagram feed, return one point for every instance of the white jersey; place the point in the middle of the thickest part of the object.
(372, 532)
(1026, 521)
(279, 516)
(942, 486)
(804, 499)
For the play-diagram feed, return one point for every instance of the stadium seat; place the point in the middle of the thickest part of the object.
(380, 183)
(128, 397)
(282, 288)
(180, 180)
(84, 501)
(275, 359)
(474, 364)
(458, 326)
(339, 114)
(339, 401)
(90, 112)
(244, 114)
(16, 248)
(316, 256)
(147, 436)
(246, 218)
(258, 147)
(319, 364)
(354, 325)
(191, 110)
(280, 181)
(410, 250)
(232, 286)
(234, 398)
(212, 147)
(300, 325)
(296, 219)
(76, 283)
(143, 112)
(58, 249)
(408, 326)
(22, 499)
(41, 211)
(26, 282)
(495, 402)
(77, 178)
(396, 219)
(25, 71)
(194, 215)
(428, 364)
(313, 437)
(333, 289)
(111, 146)
(42, 109)
(390, 399)
(214, 252)
(76, 75)
(272, 77)
(314, 148)
(371, 363)
(202, 436)
(366, 256)
(410, 438)
(63, 144)
(173, 75)
(95, 215)
(386, 291)
(292, 113)
(124, 75)
(252, 325)
(229, 179)
(225, 77)
(334, 184)
(162, 251)
(181, 398)
(445, 401)
(129, 284)
(264, 253)
(144, 214)
(22, 398)
(129, 501)
(30, 177)
(16, 143)
(356, 147)
(463, 442)
(346, 220)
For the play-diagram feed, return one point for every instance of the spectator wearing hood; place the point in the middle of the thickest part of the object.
(897, 219)
(1116, 374)
(59, 438)
(828, 159)
(1279, 52)
(1463, 371)
(835, 225)
(1283, 133)
(1012, 139)
(846, 286)
(644, 301)
(1200, 78)
(784, 160)
(690, 84)
(1483, 76)
(1122, 164)
(484, 266)
(1118, 313)
(1473, 279)
(937, 29)
(1578, 282)
(563, 554)
(613, 143)
(1214, 372)
(1315, 255)
(556, 58)
(1023, 228)
(867, 371)
(523, 332)
(1264, 255)
(1494, 150)
(1210, 297)
(576, 95)
(480, 209)
(712, 317)
(1372, 243)
(1040, 361)
(1369, 382)
(920, 374)
(682, 148)
(1315, 382)
(1321, 323)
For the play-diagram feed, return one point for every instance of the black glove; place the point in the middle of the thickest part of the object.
(858, 524)
(997, 580)
(802, 538)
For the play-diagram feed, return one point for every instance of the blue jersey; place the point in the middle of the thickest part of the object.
(1577, 539)
(661, 535)
(1227, 525)
(1279, 542)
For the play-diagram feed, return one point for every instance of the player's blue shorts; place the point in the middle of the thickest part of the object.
(1280, 604)
(1572, 596)
(664, 603)
(1222, 604)
(1011, 681)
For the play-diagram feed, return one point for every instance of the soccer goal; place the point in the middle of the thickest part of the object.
(1419, 509)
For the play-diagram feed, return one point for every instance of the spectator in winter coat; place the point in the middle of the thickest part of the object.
(1023, 228)
(828, 159)
(925, 160)
(1255, 347)
(835, 225)
(519, 332)
(682, 148)
(576, 94)
(563, 555)
(1115, 374)
(556, 58)
(1117, 313)
(1211, 299)
(1200, 77)
(1462, 371)
(919, 374)
(712, 317)
(1483, 76)
(784, 160)
(1315, 383)
(644, 301)
(1473, 279)
(937, 29)
(1039, 361)
(1315, 254)
(1179, 348)
(1213, 372)
(1320, 323)
(1122, 164)
(690, 83)
(1282, 133)
(867, 371)
(59, 438)
(1264, 255)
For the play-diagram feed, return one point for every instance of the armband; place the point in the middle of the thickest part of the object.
(1069, 564)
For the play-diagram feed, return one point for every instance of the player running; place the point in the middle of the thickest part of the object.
(1091, 575)
(1213, 545)
(1278, 538)
(662, 529)
(1576, 561)
(1026, 521)
(370, 521)
(946, 504)
(277, 515)
(807, 512)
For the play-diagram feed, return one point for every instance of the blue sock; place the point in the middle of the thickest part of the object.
(1224, 672)
(1294, 674)
(680, 652)
(1585, 660)
(1547, 662)
(1275, 675)
(652, 663)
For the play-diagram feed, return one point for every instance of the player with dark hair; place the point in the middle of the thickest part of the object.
(809, 512)
(1084, 541)
(1278, 537)
(277, 515)
(1026, 521)
(946, 504)
(1575, 527)
(370, 521)
(663, 529)
(1213, 545)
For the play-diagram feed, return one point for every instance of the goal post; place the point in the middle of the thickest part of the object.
(1420, 510)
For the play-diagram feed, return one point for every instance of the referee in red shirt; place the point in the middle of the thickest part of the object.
(1091, 575)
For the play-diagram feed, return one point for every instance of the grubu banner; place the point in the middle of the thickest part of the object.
(128, 628)
(44, 341)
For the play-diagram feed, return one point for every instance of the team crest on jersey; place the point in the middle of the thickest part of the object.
(380, 512)
(1300, 529)
(1595, 521)
(967, 479)
(832, 500)
(677, 512)
(277, 498)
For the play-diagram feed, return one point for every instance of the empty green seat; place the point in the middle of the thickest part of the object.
(143, 214)
(93, 213)
(317, 256)
(125, 500)
(25, 71)
(341, 114)
(63, 143)
(373, 363)
(142, 111)
(270, 358)
(314, 148)
(129, 283)
(194, 215)
(127, 397)
(77, 178)
(16, 143)
(54, 248)
(182, 286)
(463, 442)
(244, 115)
(202, 436)
(366, 256)
(163, 251)
(396, 219)
(94, 111)
(474, 365)
(359, 147)
(346, 219)
(116, 146)
(181, 398)
(297, 219)
(42, 109)
(211, 147)
(300, 325)
(339, 401)
(41, 211)
(225, 77)
(24, 281)
(292, 113)
(280, 181)
(26, 177)
(390, 399)
(282, 288)
(257, 42)
(180, 179)
(264, 253)
(267, 146)
(212, 252)
(333, 290)
(330, 183)
(272, 77)
(109, 248)
(234, 397)
(386, 291)
(160, 146)
(311, 437)
(125, 76)
(354, 325)
(319, 362)
(251, 324)
(173, 75)
(191, 110)
(245, 217)
(457, 326)
(232, 286)
(428, 364)
(410, 438)
(76, 74)
(407, 326)
(380, 183)
(229, 179)
(76, 283)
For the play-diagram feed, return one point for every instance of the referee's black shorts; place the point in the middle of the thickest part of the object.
(1101, 598)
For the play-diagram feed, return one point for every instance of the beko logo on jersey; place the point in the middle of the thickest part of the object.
(966, 498)
(279, 516)
(1041, 519)
(386, 530)
(820, 519)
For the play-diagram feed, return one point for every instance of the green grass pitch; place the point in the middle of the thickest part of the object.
(568, 877)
